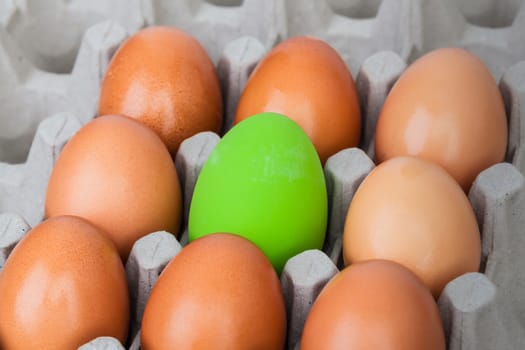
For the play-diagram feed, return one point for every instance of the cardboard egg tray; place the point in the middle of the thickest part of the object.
(53, 55)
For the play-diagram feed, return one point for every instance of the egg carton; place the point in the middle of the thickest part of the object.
(479, 310)
(51, 77)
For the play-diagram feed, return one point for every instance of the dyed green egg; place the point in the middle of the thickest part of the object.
(263, 181)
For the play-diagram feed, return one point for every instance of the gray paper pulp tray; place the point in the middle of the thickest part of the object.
(53, 55)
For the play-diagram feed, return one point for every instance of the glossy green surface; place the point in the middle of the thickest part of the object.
(263, 181)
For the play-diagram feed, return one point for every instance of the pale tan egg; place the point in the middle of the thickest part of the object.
(446, 107)
(413, 212)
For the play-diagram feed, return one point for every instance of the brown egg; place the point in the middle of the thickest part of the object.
(62, 286)
(374, 305)
(413, 212)
(219, 292)
(118, 174)
(446, 107)
(306, 80)
(164, 78)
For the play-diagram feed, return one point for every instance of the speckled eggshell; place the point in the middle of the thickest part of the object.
(62, 286)
(374, 305)
(163, 77)
(413, 212)
(117, 173)
(305, 79)
(219, 292)
(446, 108)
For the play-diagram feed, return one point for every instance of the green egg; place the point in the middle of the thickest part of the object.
(263, 181)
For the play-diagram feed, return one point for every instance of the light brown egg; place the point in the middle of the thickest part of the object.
(374, 305)
(413, 212)
(306, 80)
(446, 107)
(117, 173)
(219, 292)
(62, 286)
(164, 78)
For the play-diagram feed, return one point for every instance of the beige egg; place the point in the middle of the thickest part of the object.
(446, 108)
(413, 212)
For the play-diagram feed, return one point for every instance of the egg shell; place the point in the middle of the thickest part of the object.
(163, 77)
(263, 181)
(219, 292)
(63, 285)
(306, 80)
(446, 108)
(375, 304)
(118, 174)
(413, 212)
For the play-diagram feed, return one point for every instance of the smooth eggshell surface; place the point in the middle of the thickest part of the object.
(62, 286)
(219, 292)
(447, 108)
(305, 79)
(374, 305)
(413, 212)
(263, 181)
(164, 78)
(118, 174)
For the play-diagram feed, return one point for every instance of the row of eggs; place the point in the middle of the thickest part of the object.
(409, 229)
